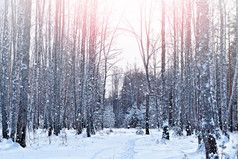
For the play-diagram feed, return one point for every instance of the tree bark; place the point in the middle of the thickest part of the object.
(4, 72)
(22, 116)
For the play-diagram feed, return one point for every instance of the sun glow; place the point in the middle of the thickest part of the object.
(128, 13)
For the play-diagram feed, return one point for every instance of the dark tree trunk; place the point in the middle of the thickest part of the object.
(147, 115)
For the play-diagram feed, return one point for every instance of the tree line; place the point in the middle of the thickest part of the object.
(54, 62)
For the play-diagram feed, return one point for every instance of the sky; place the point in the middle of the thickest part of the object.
(128, 12)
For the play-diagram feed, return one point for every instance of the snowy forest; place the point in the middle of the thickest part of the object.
(59, 73)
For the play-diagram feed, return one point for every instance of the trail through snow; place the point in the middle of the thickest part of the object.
(121, 144)
(129, 150)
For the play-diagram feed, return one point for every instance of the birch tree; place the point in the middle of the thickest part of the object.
(16, 35)
(188, 66)
(4, 71)
(223, 74)
(91, 69)
(208, 123)
(23, 107)
(233, 99)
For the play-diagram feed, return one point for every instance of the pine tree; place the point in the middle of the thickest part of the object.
(109, 117)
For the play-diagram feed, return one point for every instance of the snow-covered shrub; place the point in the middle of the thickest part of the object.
(165, 134)
(223, 147)
(210, 146)
(49, 137)
(109, 117)
(139, 131)
(109, 131)
(97, 115)
(177, 131)
(63, 136)
(227, 136)
(134, 117)
(201, 147)
(36, 139)
(188, 130)
(218, 133)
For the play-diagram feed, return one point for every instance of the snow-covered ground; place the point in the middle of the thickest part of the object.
(121, 144)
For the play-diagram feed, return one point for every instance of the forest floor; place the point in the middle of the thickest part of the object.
(120, 144)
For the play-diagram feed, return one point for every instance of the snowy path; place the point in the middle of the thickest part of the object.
(129, 151)
(121, 144)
